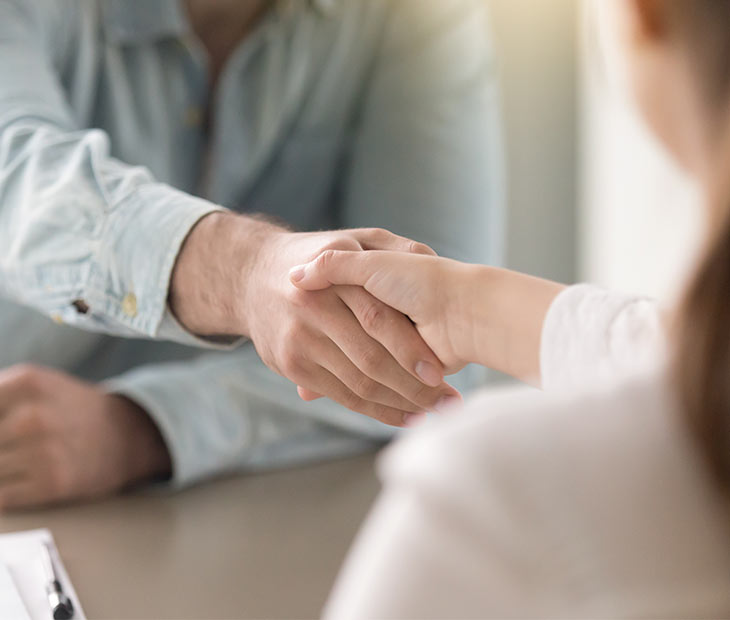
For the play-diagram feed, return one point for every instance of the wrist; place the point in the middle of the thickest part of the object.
(265, 243)
(209, 282)
(143, 454)
(469, 312)
(508, 312)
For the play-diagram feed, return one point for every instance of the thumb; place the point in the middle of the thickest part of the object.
(333, 267)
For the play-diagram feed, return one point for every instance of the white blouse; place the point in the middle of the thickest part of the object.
(581, 501)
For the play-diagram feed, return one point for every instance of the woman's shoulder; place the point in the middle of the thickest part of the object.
(598, 488)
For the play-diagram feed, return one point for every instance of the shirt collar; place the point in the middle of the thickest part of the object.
(134, 21)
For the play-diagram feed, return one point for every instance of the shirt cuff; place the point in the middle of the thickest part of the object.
(199, 441)
(591, 333)
(129, 280)
(219, 426)
(171, 329)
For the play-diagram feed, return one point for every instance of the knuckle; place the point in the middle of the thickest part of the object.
(379, 233)
(422, 394)
(371, 360)
(58, 477)
(373, 317)
(352, 401)
(365, 388)
(416, 247)
(27, 376)
(290, 363)
(344, 242)
(30, 420)
(298, 298)
(293, 331)
(326, 258)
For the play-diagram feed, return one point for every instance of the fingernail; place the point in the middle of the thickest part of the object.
(446, 404)
(429, 374)
(296, 273)
(413, 419)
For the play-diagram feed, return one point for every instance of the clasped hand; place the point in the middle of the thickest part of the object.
(465, 313)
(426, 288)
(342, 342)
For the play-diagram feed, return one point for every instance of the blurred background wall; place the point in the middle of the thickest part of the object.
(537, 48)
(639, 217)
(591, 195)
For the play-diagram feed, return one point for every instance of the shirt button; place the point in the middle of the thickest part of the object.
(193, 116)
(129, 305)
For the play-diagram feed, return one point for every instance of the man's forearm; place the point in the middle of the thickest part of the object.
(208, 283)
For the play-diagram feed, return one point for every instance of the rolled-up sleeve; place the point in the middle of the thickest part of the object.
(84, 237)
(227, 412)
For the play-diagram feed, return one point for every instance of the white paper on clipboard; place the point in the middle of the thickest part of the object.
(20, 552)
(11, 605)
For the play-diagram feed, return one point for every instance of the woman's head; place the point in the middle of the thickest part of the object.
(677, 59)
(676, 56)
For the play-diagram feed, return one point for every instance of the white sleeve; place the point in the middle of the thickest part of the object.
(458, 527)
(591, 333)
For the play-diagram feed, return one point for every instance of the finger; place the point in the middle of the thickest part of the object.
(340, 267)
(21, 425)
(21, 493)
(375, 362)
(396, 333)
(330, 357)
(16, 489)
(381, 239)
(17, 384)
(13, 465)
(307, 395)
(405, 282)
(322, 352)
(321, 381)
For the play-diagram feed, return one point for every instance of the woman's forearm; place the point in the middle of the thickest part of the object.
(506, 311)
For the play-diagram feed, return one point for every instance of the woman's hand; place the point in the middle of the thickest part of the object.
(433, 292)
(465, 313)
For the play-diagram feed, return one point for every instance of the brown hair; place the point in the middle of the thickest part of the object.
(702, 357)
(702, 354)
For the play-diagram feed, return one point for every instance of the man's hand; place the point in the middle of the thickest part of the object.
(433, 292)
(62, 439)
(342, 343)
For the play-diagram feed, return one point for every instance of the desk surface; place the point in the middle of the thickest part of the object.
(258, 546)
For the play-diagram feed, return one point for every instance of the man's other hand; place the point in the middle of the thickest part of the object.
(62, 439)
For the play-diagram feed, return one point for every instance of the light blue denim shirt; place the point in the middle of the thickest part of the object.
(332, 113)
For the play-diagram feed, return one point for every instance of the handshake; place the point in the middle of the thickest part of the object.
(359, 316)
(369, 319)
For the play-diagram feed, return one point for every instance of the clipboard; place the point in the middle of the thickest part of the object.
(23, 580)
